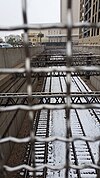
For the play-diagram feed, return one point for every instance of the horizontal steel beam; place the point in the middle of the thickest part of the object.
(81, 73)
(10, 99)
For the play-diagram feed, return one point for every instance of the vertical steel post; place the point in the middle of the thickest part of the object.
(29, 83)
(68, 87)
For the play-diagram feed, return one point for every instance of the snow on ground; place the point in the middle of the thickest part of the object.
(58, 129)
(91, 128)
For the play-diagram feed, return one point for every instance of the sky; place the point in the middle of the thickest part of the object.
(38, 11)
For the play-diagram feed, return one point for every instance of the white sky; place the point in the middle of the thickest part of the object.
(39, 11)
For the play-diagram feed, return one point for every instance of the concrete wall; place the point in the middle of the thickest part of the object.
(11, 122)
(95, 81)
(93, 40)
(11, 57)
(88, 48)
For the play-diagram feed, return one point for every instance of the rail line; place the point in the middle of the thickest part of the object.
(64, 115)
(86, 89)
(19, 87)
(15, 85)
(41, 129)
(48, 123)
(80, 152)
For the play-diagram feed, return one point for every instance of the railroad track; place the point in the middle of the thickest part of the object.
(8, 119)
(48, 123)
(81, 152)
(44, 126)
(86, 89)
(41, 129)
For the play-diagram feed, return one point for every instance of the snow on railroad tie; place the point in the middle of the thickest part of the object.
(41, 135)
(56, 150)
(39, 151)
(42, 126)
(38, 145)
(88, 173)
(41, 130)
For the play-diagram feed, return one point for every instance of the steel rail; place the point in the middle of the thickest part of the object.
(49, 94)
(75, 153)
(20, 87)
(88, 100)
(36, 121)
(28, 152)
(7, 86)
(76, 161)
(83, 132)
(48, 69)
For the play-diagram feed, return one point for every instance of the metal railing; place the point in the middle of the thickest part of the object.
(69, 26)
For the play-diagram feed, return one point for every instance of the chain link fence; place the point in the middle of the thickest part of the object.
(69, 26)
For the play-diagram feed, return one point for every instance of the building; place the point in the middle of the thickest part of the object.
(89, 12)
(75, 15)
(49, 35)
(58, 35)
(34, 38)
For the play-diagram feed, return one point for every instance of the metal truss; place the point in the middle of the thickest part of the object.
(10, 99)
(56, 60)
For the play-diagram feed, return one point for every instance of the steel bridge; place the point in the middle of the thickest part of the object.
(59, 58)
(10, 99)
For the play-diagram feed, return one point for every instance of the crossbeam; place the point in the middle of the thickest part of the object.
(61, 74)
(61, 60)
(9, 99)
